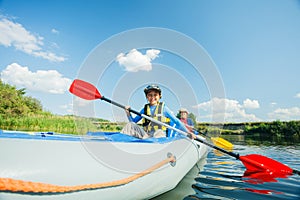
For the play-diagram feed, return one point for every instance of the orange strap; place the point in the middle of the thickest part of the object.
(21, 186)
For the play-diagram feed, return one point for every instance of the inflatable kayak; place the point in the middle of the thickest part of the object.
(101, 165)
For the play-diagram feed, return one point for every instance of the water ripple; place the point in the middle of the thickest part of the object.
(223, 177)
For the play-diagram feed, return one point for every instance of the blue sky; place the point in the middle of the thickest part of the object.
(227, 60)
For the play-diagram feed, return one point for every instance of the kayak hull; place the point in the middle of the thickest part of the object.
(76, 161)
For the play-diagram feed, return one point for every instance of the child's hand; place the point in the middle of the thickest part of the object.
(127, 110)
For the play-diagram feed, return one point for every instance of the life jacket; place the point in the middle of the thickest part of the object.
(151, 127)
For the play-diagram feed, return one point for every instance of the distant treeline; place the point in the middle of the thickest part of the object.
(275, 129)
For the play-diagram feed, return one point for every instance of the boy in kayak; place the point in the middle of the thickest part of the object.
(157, 110)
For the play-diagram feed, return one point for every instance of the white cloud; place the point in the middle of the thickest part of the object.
(77, 104)
(251, 104)
(298, 95)
(135, 61)
(285, 114)
(81, 102)
(221, 109)
(66, 108)
(14, 34)
(49, 81)
(54, 31)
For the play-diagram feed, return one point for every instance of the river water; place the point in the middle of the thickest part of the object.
(222, 177)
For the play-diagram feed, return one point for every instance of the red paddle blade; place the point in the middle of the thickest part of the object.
(84, 90)
(255, 162)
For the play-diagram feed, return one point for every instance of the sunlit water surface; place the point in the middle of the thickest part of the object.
(221, 177)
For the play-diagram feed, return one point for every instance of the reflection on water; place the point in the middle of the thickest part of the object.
(224, 177)
(258, 139)
(227, 180)
(184, 188)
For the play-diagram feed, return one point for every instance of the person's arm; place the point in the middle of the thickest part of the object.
(136, 118)
(192, 125)
(190, 122)
(168, 113)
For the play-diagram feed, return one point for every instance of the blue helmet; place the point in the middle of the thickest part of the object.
(152, 87)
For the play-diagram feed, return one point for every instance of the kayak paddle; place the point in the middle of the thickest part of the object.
(252, 162)
(218, 141)
(221, 142)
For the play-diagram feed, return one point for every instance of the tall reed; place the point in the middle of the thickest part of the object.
(48, 123)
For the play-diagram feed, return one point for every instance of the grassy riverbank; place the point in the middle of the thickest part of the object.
(79, 125)
(276, 131)
(55, 123)
(45, 123)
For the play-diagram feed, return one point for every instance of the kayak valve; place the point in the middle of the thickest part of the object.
(173, 161)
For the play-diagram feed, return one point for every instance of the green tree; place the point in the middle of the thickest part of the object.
(13, 102)
(193, 117)
(33, 104)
